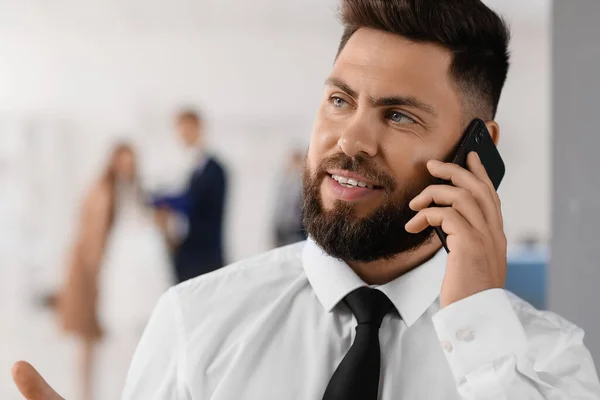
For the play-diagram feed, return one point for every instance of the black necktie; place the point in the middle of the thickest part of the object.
(357, 376)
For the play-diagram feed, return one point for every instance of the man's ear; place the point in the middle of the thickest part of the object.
(494, 129)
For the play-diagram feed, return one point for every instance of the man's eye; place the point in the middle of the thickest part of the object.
(339, 102)
(399, 118)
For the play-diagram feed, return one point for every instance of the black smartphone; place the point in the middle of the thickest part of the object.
(476, 138)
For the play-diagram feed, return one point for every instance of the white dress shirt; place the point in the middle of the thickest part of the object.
(274, 327)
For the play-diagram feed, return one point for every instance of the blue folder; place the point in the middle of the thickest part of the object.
(527, 275)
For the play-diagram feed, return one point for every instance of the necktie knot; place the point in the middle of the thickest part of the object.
(369, 306)
(357, 376)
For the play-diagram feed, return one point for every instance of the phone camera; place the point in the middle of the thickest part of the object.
(479, 137)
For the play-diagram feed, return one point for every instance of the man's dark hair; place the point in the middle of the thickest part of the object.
(189, 114)
(477, 37)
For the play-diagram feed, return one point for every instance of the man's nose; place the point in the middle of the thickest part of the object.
(359, 137)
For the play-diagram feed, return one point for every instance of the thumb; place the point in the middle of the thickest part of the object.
(31, 384)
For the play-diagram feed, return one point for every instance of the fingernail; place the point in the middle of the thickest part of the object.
(433, 162)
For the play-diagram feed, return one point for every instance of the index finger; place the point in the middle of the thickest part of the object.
(31, 384)
(464, 177)
(461, 177)
(476, 167)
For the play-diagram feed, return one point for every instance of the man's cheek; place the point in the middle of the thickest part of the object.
(311, 165)
(410, 164)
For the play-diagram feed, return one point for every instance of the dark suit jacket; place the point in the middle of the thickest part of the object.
(202, 249)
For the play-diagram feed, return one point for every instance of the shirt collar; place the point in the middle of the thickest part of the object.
(411, 293)
(195, 157)
(201, 162)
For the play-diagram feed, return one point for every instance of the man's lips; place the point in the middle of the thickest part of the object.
(353, 177)
(350, 186)
(343, 192)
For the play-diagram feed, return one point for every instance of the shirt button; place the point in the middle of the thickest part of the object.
(465, 335)
(447, 346)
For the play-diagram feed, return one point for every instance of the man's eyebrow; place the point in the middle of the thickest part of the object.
(390, 101)
(409, 101)
(340, 84)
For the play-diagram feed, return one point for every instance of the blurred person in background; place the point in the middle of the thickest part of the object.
(192, 222)
(118, 269)
(287, 224)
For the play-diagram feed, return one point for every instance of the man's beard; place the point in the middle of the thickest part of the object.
(343, 235)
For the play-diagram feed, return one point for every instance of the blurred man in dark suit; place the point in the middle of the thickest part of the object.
(287, 216)
(197, 243)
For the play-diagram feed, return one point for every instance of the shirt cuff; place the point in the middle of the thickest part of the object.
(478, 330)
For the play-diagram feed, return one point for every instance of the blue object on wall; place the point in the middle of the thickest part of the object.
(527, 275)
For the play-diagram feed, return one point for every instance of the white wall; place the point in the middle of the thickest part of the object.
(84, 72)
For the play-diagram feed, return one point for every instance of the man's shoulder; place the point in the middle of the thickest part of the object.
(211, 169)
(260, 272)
(213, 163)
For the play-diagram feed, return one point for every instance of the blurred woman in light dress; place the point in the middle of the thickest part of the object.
(118, 268)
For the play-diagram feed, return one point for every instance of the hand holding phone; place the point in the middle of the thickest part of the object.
(476, 138)
(466, 209)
